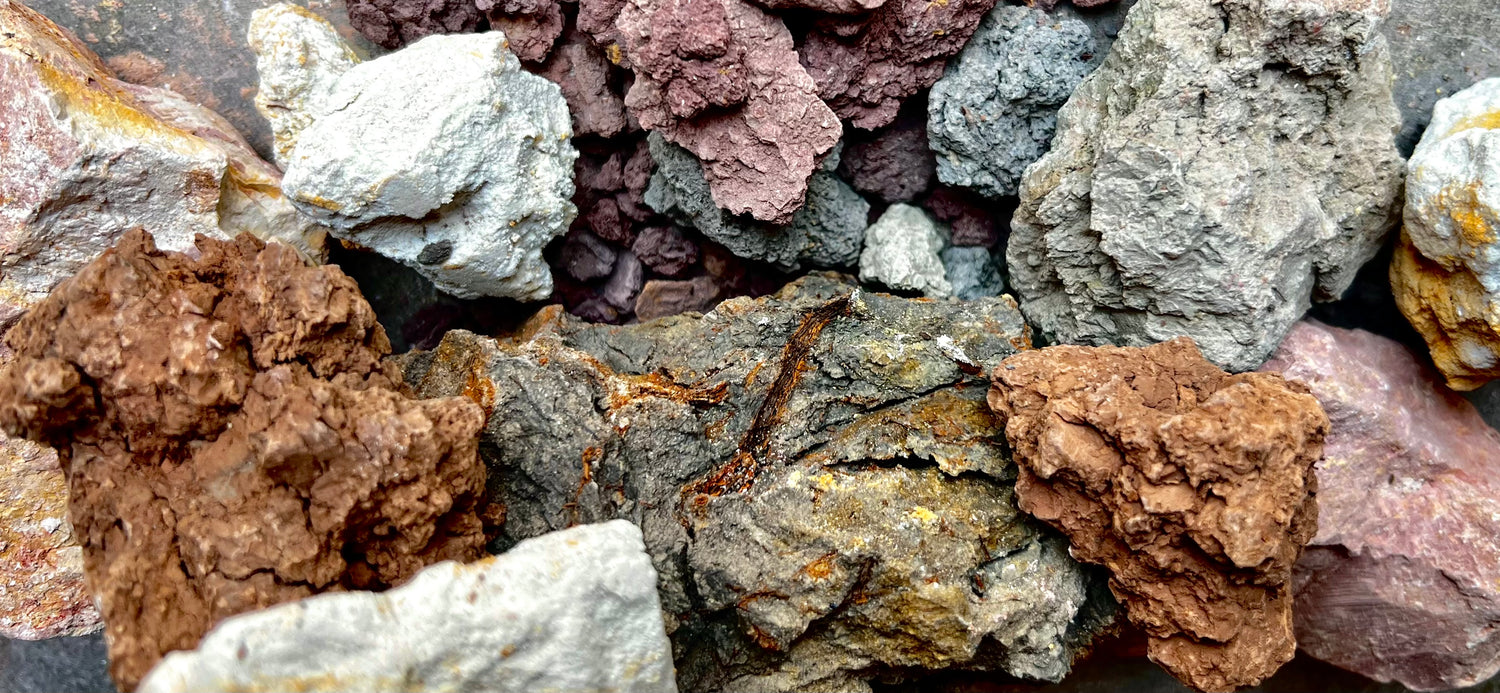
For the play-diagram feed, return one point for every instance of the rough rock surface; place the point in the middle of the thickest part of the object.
(88, 157)
(1446, 271)
(612, 190)
(901, 252)
(665, 250)
(1192, 486)
(971, 217)
(378, 165)
(42, 591)
(825, 232)
(818, 478)
(895, 164)
(531, 26)
(663, 297)
(299, 57)
(395, 23)
(1402, 581)
(994, 111)
(232, 439)
(573, 610)
(1440, 48)
(971, 272)
(1225, 165)
(582, 70)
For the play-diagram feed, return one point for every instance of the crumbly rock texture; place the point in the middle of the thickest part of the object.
(232, 439)
(1193, 487)
(573, 610)
(902, 252)
(42, 588)
(299, 57)
(395, 23)
(1229, 162)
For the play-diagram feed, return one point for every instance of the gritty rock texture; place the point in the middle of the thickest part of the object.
(395, 23)
(573, 610)
(971, 272)
(582, 70)
(531, 26)
(971, 217)
(665, 250)
(894, 165)
(42, 591)
(663, 297)
(1446, 270)
(825, 232)
(901, 252)
(1192, 486)
(232, 439)
(88, 157)
(612, 185)
(994, 111)
(1402, 581)
(1224, 166)
(300, 57)
(816, 474)
(378, 165)
(1439, 48)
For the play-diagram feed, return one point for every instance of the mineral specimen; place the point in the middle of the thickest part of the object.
(232, 439)
(300, 57)
(1225, 165)
(574, 610)
(895, 164)
(878, 532)
(1446, 271)
(901, 252)
(42, 590)
(581, 70)
(1192, 486)
(395, 23)
(1402, 581)
(971, 272)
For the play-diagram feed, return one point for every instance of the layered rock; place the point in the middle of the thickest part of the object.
(1193, 487)
(1227, 164)
(901, 252)
(791, 461)
(572, 610)
(1402, 581)
(42, 590)
(232, 439)
(1446, 270)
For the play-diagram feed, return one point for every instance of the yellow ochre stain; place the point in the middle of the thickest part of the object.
(1483, 121)
(1461, 202)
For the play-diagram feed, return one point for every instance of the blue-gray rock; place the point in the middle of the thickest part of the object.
(972, 272)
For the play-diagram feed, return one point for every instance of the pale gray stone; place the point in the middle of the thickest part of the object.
(901, 252)
(972, 272)
(299, 57)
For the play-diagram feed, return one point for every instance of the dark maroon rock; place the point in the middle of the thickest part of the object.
(663, 297)
(623, 286)
(584, 257)
(665, 250)
(530, 26)
(971, 217)
(395, 23)
(612, 184)
(581, 69)
(895, 164)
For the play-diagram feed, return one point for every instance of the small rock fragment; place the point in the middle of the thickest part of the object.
(624, 283)
(42, 590)
(395, 23)
(300, 57)
(612, 190)
(894, 165)
(971, 216)
(530, 26)
(1192, 486)
(573, 610)
(901, 252)
(662, 297)
(581, 70)
(972, 273)
(665, 250)
(586, 258)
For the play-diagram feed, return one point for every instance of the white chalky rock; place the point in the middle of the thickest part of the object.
(574, 610)
(300, 57)
(901, 252)
(447, 157)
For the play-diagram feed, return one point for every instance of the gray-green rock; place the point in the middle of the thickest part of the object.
(972, 272)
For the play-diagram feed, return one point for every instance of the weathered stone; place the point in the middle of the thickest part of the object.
(665, 250)
(299, 57)
(395, 23)
(1438, 48)
(800, 451)
(379, 165)
(612, 189)
(624, 283)
(895, 164)
(993, 112)
(1210, 181)
(825, 232)
(971, 217)
(827, 6)
(88, 157)
(1402, 581)
(972, 273)
(1446, 271)
(42, 591)
(1192, 486)
(661, 298)
(531, 26)
(573, 610)
(232, 439)
(581, 70)
(901, 252)
(585, 258)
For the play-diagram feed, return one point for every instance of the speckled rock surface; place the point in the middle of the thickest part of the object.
(972, 272)
(395, 23)
(42, 590)
(582, 70)
(299, 57)
(892, 164)
(1439, 49)
(901, 252)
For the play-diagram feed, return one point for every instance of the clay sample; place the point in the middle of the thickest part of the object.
(878, 488)
(1212, 184)
(574, 610)
(42, 591)
(894, 165)
(395, 23)
(1402, 581)
(299, 57)
(1192, 486)
(378, 164)
(901, 252)
(971, 272)
(232, 439)
(1446, 271)
(994, 111)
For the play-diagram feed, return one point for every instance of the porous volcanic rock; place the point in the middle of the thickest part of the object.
(1228, 163)
(299, 57)
(971, 272)
(395, 23)
(42, 590)
(232, 439)
(573, 610)
(1193, 487)
(612, 184)
(1402, 581)
(820, 483)
(895, 164)
(663, 297)
(530, 26)
(665, 250)
(902, 252)
(1446, 270)
(582, 70)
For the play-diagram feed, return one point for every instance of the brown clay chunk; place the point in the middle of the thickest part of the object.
(1193, 487)
(233, 440)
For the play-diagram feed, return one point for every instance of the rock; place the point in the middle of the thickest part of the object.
(826, 6)
(300, 57)
(377, 165)
(76, 665)
(1131, 231)
(1402, 581)
(1192, 486)
(581, 70)
(853, 422)
(1446, 270)
(894, 165)
(233, 413)
(585, 258)
(825, 232)
(531, 26)
(663, 297)
(572, 610)
(993, 112)
(103, 156)
(612, 189)
(42, 591)
(395, 23)
(971, 216)
(624, 283)
(665, 250)
(1438, 49)
(972, 273)
(901, 252)
(866, 66)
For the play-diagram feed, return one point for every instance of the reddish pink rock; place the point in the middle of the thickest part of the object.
(612, 189)
(395, 23)
(530, 26)
(896, 164)
(1402, 581)
(970, 216)
(581, 69)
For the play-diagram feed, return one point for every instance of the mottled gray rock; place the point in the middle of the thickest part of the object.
(901, 252)
(825, 232)
(1438, 49)
(994, 110)
(573, 610)
(815, 450)
(586, 257)
(972, 272)
(446, 157)
(299, 57)
(1227, 164)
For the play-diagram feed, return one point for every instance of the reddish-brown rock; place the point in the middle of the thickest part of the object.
(395, 23)
(895, 164)
(582, 70)
(1193, 487)
(662, 297)
(233, 440)
(612, 183)
(530, 26)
